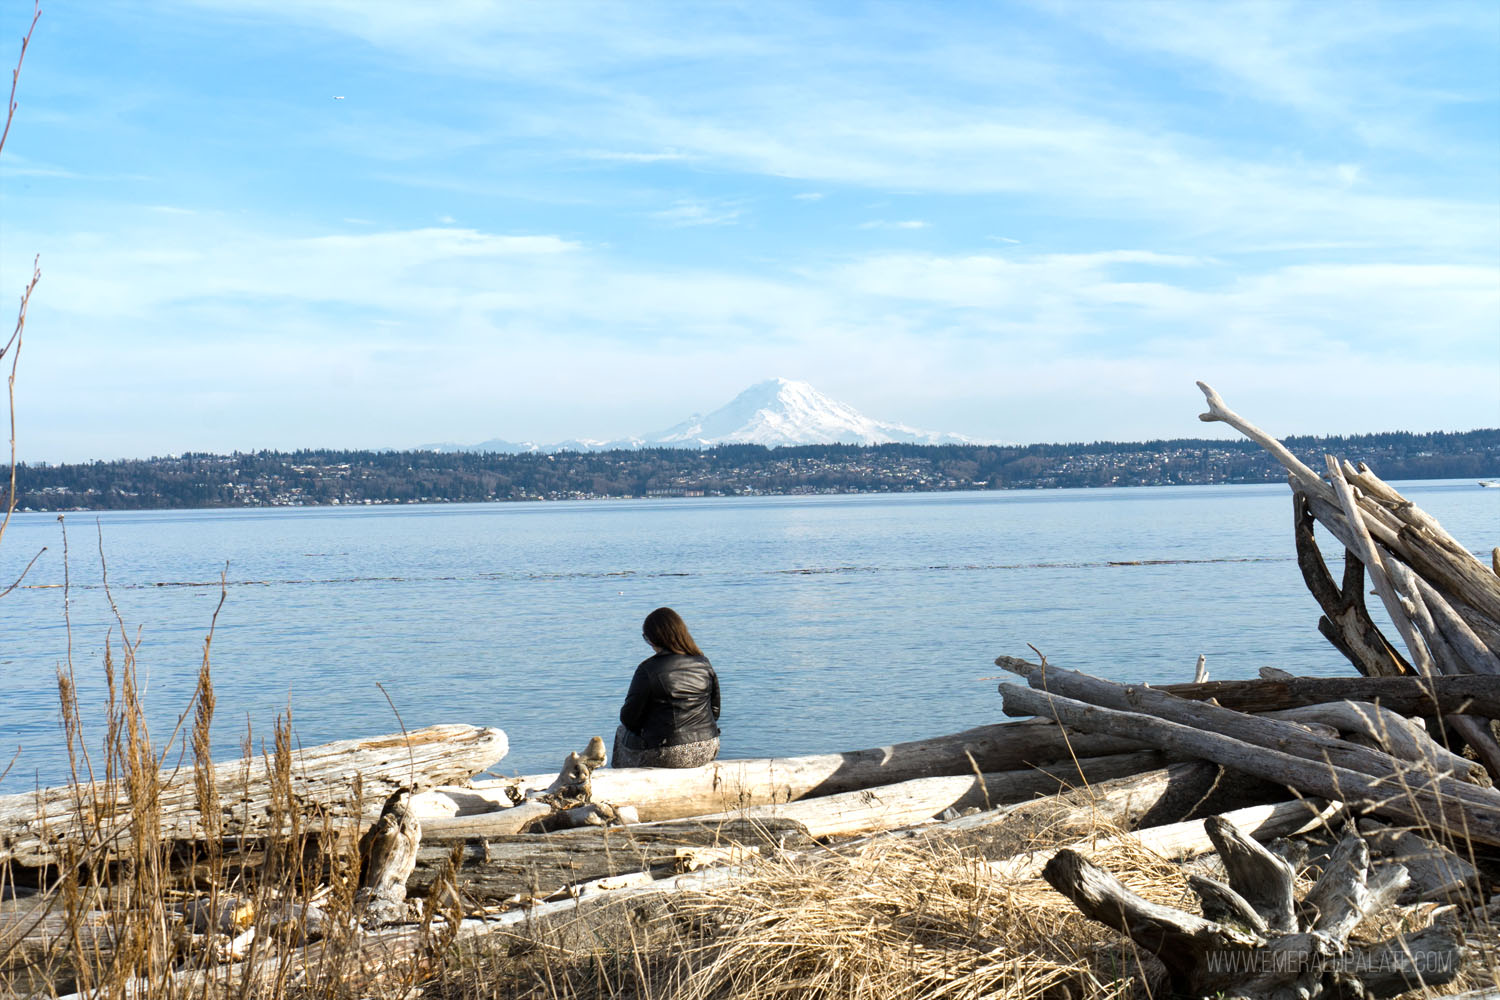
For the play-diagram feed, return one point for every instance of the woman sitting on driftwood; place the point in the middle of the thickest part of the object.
(671, 713)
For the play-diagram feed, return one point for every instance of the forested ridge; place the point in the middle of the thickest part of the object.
(328, 476)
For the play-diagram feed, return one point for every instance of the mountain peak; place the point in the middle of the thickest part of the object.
(783, 411)
(778, 411)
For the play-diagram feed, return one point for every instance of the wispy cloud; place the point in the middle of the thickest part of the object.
(434, 316)
(902, 224)
(665, 156)
(688, 212)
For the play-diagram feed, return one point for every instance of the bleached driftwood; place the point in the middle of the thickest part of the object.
(728, 785)
(497, 869)
(1437, 874)
(1454, 807)
(1390, 732)
(1469, 587)
(1426, 696)
(577, 913)
(883, 807)
(907, 803)
(1258, 731)
(332, 783)
(1416, 649)
(1187, 838)
(1473, 655)
(1346, 622)
(1256, 942)
(1449, 660)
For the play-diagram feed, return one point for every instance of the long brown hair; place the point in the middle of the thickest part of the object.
(665, 629)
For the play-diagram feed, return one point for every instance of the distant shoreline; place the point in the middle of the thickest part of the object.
(323, 478)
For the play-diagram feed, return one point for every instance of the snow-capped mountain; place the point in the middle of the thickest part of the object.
(783, 412)
(771, 413)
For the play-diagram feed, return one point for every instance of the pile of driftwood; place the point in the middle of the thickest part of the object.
(1390, 773)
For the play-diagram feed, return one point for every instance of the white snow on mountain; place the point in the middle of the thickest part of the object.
(775, 412)
(783, 412)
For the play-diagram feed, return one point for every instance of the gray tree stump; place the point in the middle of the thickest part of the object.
(388, 854)
(1256, 941)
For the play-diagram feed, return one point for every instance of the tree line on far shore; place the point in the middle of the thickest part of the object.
(329, 476)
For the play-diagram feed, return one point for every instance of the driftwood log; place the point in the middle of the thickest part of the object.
(729, 785)
(1187, 838)
(498, 868)
(1433, 765)
(1437, 874)
(1377, 727)
(912, 802)
(1424, 696)
(333, 783)
(870, 809)
(1346, 622)
(1255, 940)
(1456, 809)
(526, 867)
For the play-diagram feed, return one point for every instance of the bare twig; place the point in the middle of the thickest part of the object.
(15, 74)
(410, 757)
(18, 579)
(13, 345)
(36, 275)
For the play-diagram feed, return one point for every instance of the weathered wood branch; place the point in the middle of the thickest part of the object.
(1465, 579)
(1457, 809)
(1472, 653)
(1187, 838)
(332, 783)
(1476, 732)
(1181, 940)
(1346, 621)
(1416, 649)
(1391, 732)
(1221, 904)
(1437, 874)
(1426, 696)
(1429, 957)
(496, 869)
(1260, 731)
(1306, 478)
(1256, 876)
(1255, 941)
(1382, 514)
(907, 803)
(1376, 490)
(1426, 562)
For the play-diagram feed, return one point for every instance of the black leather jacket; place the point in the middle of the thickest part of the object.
(673, 699)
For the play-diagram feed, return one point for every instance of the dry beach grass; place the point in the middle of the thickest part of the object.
(909, 916)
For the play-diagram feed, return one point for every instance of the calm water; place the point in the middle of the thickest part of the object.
(834, 622)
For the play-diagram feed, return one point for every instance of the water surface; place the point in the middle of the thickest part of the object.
(835, 622)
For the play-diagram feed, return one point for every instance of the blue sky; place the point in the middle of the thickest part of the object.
(1018, 221)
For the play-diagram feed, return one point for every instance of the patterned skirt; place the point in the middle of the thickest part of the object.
(683, 755)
